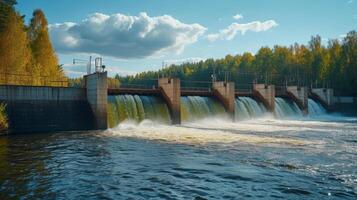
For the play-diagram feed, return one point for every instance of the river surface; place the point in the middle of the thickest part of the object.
(209, 159)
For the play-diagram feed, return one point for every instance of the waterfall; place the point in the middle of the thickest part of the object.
(196, 107)
(139, 107)
(247, 108)
(286, 108)
(315, 108)
(136, 108)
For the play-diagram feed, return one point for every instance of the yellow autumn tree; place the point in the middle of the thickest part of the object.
(15, 54)
(43, 53)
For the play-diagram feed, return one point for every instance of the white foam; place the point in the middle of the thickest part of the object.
(212, 130)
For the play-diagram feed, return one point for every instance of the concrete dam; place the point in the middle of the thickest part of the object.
(46, 109)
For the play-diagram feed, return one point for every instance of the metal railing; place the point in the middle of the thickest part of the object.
(204, 89)
(137, 86)
(30, 80)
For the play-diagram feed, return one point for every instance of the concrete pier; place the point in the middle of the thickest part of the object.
(225, 92)
(265, 94)
(170, 90)
(324, 95)
(97, 95)
(300, 96)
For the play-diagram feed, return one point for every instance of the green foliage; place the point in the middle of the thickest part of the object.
(79, 82)
(3, 118)
(332, 65)
(76, 82)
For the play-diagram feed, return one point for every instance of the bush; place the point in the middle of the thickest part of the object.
(4, 125)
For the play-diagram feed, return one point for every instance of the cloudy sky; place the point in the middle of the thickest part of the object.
(137, 35)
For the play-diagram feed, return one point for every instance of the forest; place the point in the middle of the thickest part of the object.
(26, 53)
(317, 64)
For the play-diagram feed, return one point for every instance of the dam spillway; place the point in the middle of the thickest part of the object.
(197, 107)
(136, 108)
(248, 108)
(145, 107)
(285, 108)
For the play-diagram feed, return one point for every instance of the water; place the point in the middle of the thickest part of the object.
(136, 108)
(248, 108)
(261, 156)
(209, 159)
(197, 107)
(315, 109)
(285, 108)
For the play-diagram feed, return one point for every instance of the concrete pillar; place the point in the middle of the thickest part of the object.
(225, 92)
(171, 91)
(266, 94)
(97, 96)
(300, 96)
(324, 95)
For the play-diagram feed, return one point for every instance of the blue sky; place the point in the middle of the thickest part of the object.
(137, 35)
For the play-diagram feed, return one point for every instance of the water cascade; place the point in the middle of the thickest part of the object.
(315, 109)
(136, 108)
(286, 108)
(196, 107)
(248, 108)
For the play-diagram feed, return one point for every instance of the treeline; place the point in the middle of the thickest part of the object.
(312, 65)
(79, 82)
(26, 53)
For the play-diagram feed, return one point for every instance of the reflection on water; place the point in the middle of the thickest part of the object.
(208, 159)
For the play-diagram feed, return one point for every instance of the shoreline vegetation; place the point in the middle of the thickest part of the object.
(4, 125)
(26, 53)
(28, 58)
(320, 63)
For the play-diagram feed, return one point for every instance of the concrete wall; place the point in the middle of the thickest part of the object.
(265, 94)
(13, 93)
(171, 91)
(348, 100)
(225, 92)
(300, 96)
(97, 97)
(46, 109)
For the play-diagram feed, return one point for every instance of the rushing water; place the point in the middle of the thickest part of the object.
(196, 107)
(248, 108)
(286, 108)
(136, 108)
(210, 159)
(285, 156)
(315, 109)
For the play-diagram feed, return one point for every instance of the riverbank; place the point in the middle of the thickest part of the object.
(3, 119)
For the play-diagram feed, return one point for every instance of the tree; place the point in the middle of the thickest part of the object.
(15, 54)
(43, 53)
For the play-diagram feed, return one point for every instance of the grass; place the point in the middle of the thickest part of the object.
(4, 125)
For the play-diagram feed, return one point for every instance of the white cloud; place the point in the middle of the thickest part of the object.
(124, 36)
(231, 31)
(350, 1)
(238, 16)
(342, 35)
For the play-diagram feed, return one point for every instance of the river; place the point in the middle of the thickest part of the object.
(264, 158)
